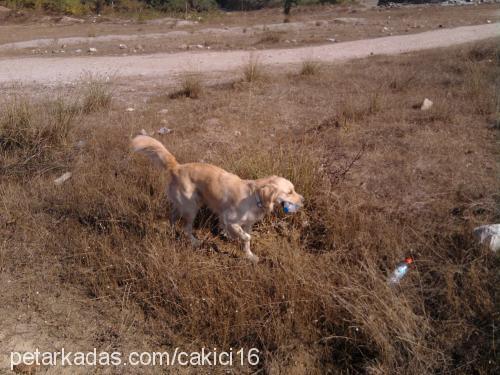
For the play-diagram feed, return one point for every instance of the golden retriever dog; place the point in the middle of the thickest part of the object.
(238, 203)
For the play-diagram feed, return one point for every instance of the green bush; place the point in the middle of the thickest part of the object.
(180, 5)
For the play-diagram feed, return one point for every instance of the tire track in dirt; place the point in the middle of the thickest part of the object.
(68, 69)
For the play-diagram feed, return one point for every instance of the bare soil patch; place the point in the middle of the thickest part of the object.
(46, 36)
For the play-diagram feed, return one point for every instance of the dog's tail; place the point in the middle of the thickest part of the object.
(154, 150)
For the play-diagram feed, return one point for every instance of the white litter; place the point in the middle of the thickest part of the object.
(489, 235)
(164, 130)
(130, 109)
(426, 105)
(61, 180)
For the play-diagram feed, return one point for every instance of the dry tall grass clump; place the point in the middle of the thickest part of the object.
(309, 68)
(191, 87)
(252, 71)
(33, 134)
(395, 182)
(96, 94)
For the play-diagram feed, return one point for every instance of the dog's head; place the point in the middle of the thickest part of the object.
(278, 190)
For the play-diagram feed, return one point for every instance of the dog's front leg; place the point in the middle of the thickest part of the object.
(237, 231)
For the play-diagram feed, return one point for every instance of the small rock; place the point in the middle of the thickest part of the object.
(144, 132)
(199, 46)
(62, 179)
(164, 131)
(130, 109)
(237, 133)
(488, 21)
(333, 40)
(78, 50)
(183, 46)
(426, 105)
(122, 46)
(348, 20)
(69, 20)
(92, 50)
(80, 144)
(139, 47)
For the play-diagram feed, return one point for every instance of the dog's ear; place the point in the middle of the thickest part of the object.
(268, 195)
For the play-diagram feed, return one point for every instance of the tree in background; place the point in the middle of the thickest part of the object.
(287, 6)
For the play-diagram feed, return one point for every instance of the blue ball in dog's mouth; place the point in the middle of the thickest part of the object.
(290, 207)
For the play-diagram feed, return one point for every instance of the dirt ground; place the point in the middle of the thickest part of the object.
(71, 276)
(45, 36)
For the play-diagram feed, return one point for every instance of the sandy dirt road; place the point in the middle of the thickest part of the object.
(165, 65)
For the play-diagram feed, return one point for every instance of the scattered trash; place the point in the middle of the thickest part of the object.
(400, 271)
(426, 105)
(130, 109)
(164, 131)
(290, 207)
(122, 46)
(65, 177)
(333, 40)
(92, 50)
(489, 235)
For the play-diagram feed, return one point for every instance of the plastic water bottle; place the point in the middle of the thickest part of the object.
(289, 207)
(400, 271)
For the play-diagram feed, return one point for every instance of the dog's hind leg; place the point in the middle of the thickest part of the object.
(237, 231)
(188, 214)
(174, 216)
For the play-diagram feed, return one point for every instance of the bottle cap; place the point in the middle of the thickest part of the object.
(408, 260)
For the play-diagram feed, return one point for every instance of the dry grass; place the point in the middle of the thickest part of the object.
(309, 68)
(96, 95)
(270, 37)
(319, 301)
(253, 70)
(191, 87)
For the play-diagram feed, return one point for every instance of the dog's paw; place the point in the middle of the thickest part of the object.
(195, 242)
(252, 257)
